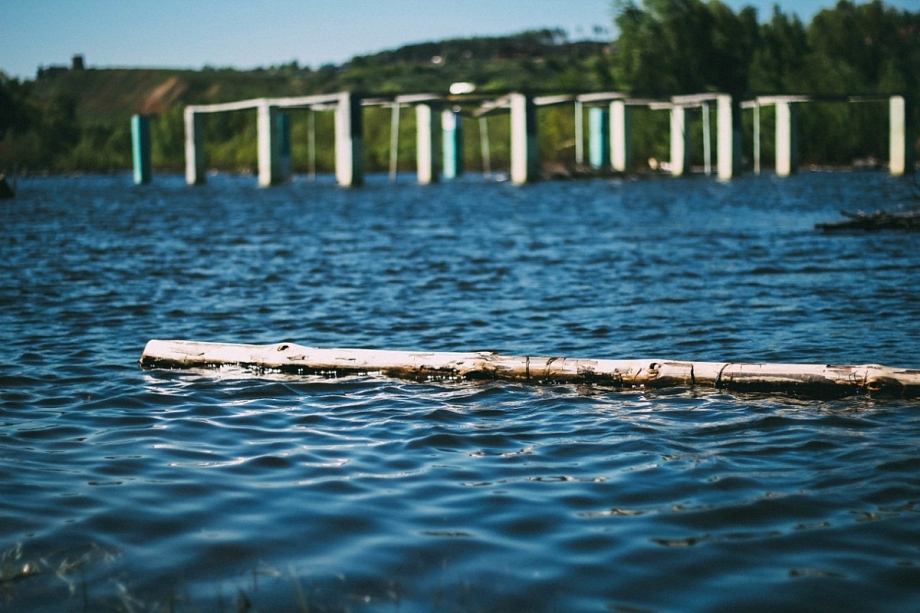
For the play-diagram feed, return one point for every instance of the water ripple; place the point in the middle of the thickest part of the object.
(122, 489)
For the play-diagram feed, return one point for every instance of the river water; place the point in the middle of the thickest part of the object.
(130, 490)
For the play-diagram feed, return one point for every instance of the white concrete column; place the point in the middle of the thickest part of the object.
(787, 159)
(757, 137)
(427, 154)
(621, 154)
(579, 133)
(194, 148)
(452, 144)
(707, 141)
(901, 144)
(728, 127)
(349, 141)
(680, 140)
(524, 156)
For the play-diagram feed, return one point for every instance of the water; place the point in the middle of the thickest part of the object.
(131, 490)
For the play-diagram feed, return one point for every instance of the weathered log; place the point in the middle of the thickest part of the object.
(803, 380)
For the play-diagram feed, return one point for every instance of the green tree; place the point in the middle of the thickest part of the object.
(669, 47)
(780, 56)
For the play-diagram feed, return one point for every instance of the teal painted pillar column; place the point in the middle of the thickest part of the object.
(728, 137)
(140, 146)
(349, 141)
(427, 153)
(787, 158)
(525, 160)
(901, 141)
(599, 127)
(621, 154)
(452, 144)
(194, 148)
(284, 135)
(274, 145)
(680, 137)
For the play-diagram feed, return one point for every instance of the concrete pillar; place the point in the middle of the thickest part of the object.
(599, 130)
(484, 147)
(140, 146)
(621, 154)
(394, 141)
(680, 141)
(427, 152)
(757, 137)
(579, 133)
(728, 128)
(452, 143)
(274, 145)
(787, 157)
(349, 141)
(525, 160)
(194, 148)
(284, 129)
(707, 141)
(901, 141)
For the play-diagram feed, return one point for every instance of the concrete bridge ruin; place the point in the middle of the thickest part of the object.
(439, 133)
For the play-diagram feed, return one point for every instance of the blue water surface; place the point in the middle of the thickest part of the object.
(130, 490)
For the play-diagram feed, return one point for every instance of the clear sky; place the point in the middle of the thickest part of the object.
(252, 33)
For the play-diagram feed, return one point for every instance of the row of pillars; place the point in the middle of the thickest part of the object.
(610, 131)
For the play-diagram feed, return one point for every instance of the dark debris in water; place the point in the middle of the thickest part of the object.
(905, 221)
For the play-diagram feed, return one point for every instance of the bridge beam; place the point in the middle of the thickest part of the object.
(452, 143)
(599, 131)
(427, 154)
(787, 156)
(349, 141)
(525, 161)
(194, 148)
(621, 151)
(901, 142)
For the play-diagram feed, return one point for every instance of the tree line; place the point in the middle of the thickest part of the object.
(660, 48)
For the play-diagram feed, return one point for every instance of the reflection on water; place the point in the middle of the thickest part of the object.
(122, 489)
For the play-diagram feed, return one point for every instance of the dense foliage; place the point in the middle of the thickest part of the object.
(78, 119)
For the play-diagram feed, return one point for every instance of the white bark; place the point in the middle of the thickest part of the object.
(807, 380)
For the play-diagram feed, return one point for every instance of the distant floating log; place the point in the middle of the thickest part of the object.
(907, 221)
(802, 380)
(7, 191)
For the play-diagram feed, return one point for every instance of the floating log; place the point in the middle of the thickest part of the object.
(802, 380)
(7, 191)
(908, 221)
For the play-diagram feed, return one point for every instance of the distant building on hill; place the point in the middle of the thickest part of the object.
(76, 63)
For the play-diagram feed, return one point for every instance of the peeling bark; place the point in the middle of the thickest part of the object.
(802, 380)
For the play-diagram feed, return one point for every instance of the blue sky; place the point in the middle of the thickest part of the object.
(251, 33)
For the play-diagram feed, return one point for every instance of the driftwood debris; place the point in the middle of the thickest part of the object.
(905, 221)
(802, 380)
(7, 191)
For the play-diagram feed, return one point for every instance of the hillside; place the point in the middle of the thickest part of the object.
(532, 60)
(77, 119)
